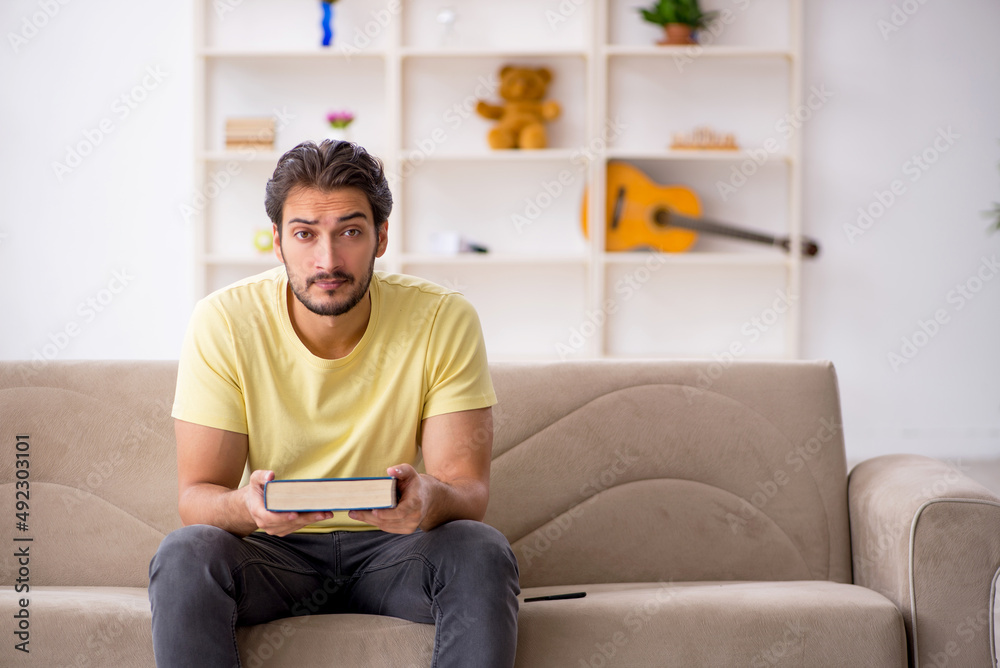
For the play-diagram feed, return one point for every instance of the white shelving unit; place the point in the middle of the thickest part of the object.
(544, 291)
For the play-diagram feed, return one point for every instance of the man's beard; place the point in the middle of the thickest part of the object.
(301, 290)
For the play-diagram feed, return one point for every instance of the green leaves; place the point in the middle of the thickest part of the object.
(687, 12)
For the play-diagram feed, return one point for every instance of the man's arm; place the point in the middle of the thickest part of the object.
(457, 449)
(210, 464)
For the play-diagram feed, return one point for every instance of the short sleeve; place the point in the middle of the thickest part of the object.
(209, 390)
(458, 374)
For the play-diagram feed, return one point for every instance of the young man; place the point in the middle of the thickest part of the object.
(324, 368)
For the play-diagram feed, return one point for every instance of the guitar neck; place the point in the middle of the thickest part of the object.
(664, 217)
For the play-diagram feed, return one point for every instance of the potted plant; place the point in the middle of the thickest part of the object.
(339, 122)
(679, 18)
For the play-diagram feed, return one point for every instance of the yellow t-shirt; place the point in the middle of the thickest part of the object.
(244, 369)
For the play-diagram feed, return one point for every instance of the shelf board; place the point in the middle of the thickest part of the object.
(710, 156)
(713, 259)
(696, 51)
(557, 154)
(307, 52)
(258, 155)
(490, 258)
(525, 52)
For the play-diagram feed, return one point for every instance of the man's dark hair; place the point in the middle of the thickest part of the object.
(330, 165)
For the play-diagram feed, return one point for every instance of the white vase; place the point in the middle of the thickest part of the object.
(339, 134)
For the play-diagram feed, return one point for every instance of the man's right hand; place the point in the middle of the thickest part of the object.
(275, 524)
(210, 465)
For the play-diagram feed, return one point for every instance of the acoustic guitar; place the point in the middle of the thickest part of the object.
(644, 214)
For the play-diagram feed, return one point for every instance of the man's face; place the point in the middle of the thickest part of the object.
(328, 246)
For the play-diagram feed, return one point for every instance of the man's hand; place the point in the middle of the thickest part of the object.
(210, 464)
(415, 492)
(456, 448)
(275, 524)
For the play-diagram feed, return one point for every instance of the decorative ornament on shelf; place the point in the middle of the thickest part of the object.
(523, 112)
(704, 138)
(453, 243)
(679, 18)
(327, 22)
(340, 122)
(255, 133)
(263, 240)
(447, 18)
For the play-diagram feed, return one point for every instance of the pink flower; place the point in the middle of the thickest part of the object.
(340, 119)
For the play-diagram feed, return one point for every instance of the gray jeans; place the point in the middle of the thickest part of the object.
(204, 581)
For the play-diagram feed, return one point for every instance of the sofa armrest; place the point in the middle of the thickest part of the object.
(927, 537)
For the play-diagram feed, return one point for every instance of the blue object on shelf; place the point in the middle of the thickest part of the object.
(327, 22)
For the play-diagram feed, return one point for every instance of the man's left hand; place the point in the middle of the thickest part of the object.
(415, 493)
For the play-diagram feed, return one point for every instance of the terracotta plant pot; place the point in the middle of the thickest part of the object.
(677, 33)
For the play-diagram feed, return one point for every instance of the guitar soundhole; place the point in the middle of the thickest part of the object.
(661, 218)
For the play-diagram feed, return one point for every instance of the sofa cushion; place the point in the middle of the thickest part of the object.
(112, 626)
(82, 626)
(756, 624)
(359, 641)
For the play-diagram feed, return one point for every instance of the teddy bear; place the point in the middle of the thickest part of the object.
(523, 114)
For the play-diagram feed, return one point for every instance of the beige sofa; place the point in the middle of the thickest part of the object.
(704, 509)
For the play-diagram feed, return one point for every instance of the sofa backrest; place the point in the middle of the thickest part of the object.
(103, 470)
(620, 471)
(603, 471)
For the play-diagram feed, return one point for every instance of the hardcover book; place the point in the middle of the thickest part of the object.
(322, 494)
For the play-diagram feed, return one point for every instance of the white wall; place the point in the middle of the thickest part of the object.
(99, 249)
(894, 93)
(65, 237)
